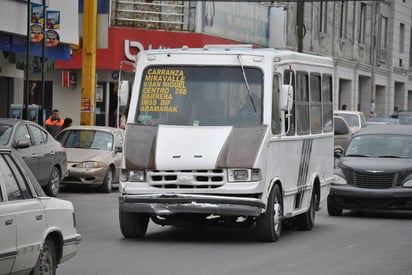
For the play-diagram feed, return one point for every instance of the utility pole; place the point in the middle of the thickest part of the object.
(88, 62)
(376, 9)
(300, 13)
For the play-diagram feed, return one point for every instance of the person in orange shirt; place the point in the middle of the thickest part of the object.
(54, 123)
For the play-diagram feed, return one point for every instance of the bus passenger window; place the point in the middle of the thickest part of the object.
(315, 104)
(276, 129)
(290, 117)
(302, 103)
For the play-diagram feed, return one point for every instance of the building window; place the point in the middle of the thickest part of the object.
(401, 37)
(362, 31)
(323, 22)
(343, 19)
(384, 32)
(410, 51)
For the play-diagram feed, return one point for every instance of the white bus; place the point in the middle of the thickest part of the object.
(227, 135)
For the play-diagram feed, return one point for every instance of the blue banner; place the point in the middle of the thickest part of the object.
(17, 44)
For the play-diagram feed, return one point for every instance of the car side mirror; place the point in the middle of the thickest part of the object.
(118, 149)
(24, 143)
(338, 152)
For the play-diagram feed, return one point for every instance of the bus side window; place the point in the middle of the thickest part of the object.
(291, 117)
(276, 127)
(302, 103)
(327, 105)
(315, 104)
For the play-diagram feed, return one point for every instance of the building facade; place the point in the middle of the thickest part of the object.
(56, 26)
(370, 42)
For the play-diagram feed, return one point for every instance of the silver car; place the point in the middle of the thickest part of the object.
(94, 155)
(36, 232)
(45, 156)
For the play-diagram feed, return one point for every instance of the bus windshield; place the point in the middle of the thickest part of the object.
(200, 96)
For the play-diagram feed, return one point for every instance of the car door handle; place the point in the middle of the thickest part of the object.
(34, 155)
(39, 217)
(52, 153)
(8, 222)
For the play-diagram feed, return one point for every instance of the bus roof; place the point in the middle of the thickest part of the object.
(229, 49)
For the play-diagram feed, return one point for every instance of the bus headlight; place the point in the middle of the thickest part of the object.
(244, 175)
(136, 175)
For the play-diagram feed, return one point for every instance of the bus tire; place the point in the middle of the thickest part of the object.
(306, 220)
(333, 210)
(269, 224)
(133, 225)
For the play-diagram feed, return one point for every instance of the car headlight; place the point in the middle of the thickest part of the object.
(244, 175)
(136, 175)
(339, 180)
(408, 183)
(90, 164)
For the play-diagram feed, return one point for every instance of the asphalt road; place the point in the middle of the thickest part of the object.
(356, 243)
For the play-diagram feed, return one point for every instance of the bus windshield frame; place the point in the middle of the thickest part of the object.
(200, 96)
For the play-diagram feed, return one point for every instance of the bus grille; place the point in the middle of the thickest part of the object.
(186, 179)
(374, 180)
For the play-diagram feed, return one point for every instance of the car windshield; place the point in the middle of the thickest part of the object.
(351, 119)
(200, 96)
(380, 146)
(86, 139)
(5, 133)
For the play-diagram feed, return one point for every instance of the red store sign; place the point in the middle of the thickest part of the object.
(125, 44)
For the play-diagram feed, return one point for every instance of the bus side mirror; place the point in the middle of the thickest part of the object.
(123, 93)
(286, 98)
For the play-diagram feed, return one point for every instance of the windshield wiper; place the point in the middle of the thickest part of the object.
(389, 157)
(246, 83)
(357, 156)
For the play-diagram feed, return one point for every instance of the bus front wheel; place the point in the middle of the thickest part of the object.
(269, 224)
(133, 225)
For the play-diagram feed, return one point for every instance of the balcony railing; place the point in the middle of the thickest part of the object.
(165, 15)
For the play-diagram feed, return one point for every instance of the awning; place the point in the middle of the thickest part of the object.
(17, 44)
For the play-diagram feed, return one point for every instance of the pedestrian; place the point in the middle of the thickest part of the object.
(54, 123)
(67, 123)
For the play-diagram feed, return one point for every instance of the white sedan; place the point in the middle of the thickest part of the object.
(36, 232)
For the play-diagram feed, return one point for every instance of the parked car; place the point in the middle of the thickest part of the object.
(37, 232)
(382, 121)
(355, 119)
(405, 118)
(94, 155)
(375, 171)
(342, 131)
(45, 156)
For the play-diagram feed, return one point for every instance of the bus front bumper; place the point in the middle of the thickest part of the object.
(169, 204)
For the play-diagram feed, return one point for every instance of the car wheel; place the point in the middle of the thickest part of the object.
(52, 188)
(133, 225)
(108, 181)
(47, 262)
(306, 220)
(332, 209)
(269, 224)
